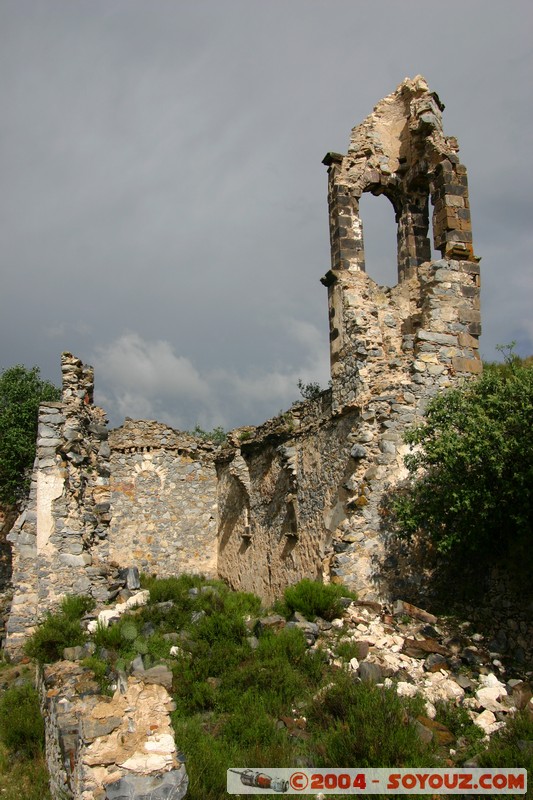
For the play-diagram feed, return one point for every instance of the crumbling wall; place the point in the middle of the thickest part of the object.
(271, 502)
(108, 748)
(163, 500)
(60, 539)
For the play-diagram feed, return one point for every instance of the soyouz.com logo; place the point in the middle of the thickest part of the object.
(376, 781)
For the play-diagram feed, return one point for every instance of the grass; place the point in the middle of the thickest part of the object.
(271, 702)
(23, 777)
(368, 726)
(21, 724)
(23, 772)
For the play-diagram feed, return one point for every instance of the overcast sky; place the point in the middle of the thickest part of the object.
(162, 198)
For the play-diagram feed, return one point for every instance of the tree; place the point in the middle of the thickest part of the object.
(471, 466)
(21, 392)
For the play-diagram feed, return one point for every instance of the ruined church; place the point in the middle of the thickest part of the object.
(301, 495)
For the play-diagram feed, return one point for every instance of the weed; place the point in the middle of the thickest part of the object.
(347, 650)
(309, 391)
(469, 736)
(100, 669)
(59, 630)
(108, 638)
(314, 599)
(23, 777)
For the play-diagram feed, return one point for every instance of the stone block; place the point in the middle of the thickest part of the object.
(473, 365)
(466, 340)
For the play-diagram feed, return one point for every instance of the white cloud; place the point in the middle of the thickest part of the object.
(147, 379)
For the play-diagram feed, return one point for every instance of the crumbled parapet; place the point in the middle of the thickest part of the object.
(108, 748)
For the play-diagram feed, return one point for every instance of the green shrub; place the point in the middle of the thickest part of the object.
(512, 746)
(309, 391)
(457, 720)
(176, 589)
(220, 626)
(75, 606)
(140, 646)
(314, 599)
(100, 669)
(56, 632)
(347, 650)
(472, 467)
(60, 630)
(129, 631)
(363, 724)
(21, 723)
(218, 435)
(109, 638)
(22, 390)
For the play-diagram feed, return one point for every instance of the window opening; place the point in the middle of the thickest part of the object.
(380, 239)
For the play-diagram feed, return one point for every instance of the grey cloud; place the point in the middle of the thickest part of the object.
(161, 175)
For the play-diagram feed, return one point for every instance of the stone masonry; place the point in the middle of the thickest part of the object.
(164, 500)
(301, 495)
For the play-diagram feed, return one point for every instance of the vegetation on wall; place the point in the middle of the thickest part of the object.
(471, 466)
(218, 435)
(21, 392)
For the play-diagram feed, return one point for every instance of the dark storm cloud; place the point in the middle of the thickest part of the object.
(163, 204)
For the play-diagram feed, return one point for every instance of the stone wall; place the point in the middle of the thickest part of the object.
(60, 539)
(108, 748)
(163, 500)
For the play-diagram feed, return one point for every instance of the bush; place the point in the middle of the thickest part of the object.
(55, 633)
(314, 599)
(218, 435)
(60, 630)
(21, 723)
(75, 606)
(472, 467)
(365, 725)
(309, 391)
(512, 746)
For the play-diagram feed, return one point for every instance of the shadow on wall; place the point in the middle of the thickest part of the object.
(446, 582)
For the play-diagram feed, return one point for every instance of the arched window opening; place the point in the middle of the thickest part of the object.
(380, 240)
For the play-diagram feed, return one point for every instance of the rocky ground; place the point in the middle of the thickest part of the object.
(440, 658)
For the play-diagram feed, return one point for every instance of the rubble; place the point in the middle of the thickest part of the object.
(425, 656)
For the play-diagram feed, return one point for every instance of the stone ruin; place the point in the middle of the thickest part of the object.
(300, 495)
